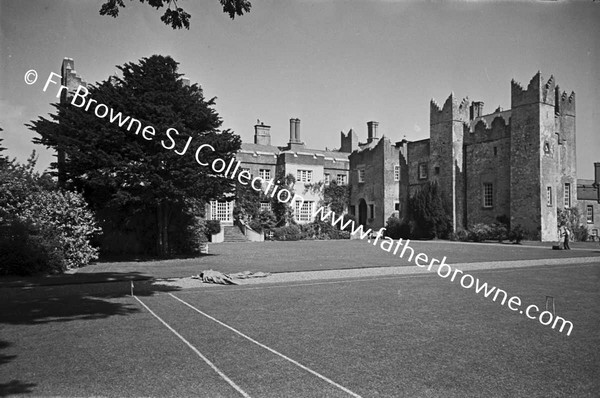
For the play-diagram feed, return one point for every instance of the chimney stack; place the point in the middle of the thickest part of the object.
(372, 131)
(262, 134)
(298, 131)
(476, 109)
(597, 178)
(292, 130)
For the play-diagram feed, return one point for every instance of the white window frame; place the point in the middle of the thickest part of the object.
(396, 172)
(264, 174)
(221, 211)
(304, 175)
(327, 178)
(304, 212)
(488, 195)
(361, 174)
(549, 196)
(342, 179)
(590, 214)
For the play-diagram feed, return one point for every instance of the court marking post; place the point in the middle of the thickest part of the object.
(208, 362)
(333, 383)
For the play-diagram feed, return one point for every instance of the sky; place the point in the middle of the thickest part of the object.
(333, 64)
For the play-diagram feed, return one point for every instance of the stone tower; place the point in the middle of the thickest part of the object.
(542, 157)
(446, 152)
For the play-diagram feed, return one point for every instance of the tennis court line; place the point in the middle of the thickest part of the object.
(333, 383)
(208, 362)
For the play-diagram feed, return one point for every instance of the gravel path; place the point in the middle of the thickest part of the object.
(289, 277)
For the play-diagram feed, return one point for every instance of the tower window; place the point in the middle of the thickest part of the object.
(549, 196)
(361, 175)
(567, 198)
(437, 170)
(372, 211)
(590, 214)
(422, 171)
(396, 172)
(488, 195)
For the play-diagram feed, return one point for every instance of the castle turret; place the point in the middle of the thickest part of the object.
(446, 153)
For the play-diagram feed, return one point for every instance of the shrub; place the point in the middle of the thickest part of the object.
(288, 232)
(461, 235)
(430, 211)
(516, 234)
(498, 232)
(480, 232)
(255, 225)
(581, 233)
(213, 227)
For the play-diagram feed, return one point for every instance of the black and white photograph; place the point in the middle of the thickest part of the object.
(300, 198)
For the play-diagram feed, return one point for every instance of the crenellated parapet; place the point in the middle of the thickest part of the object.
(565, 103)
(451, 111)
(70, 78)
(538, 91)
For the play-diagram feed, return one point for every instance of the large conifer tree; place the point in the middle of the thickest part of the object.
(131, 181)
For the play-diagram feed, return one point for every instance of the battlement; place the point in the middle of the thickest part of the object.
(70, 78)
(565, 104)
(451, 111)
(349, 142)
(537, 91)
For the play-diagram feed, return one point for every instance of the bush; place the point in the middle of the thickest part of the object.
(213, 227)
(581, 233)
(288, 232)
(396, 229)
(516, 234)
(461, 235)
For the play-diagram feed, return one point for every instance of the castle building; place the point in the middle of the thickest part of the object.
(518, 164)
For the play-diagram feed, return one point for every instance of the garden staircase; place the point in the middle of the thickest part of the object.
(232, 233)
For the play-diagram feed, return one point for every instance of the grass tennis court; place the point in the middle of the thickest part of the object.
(395, 336)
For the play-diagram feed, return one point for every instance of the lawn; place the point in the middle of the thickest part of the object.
(410, 336)
(323, 255)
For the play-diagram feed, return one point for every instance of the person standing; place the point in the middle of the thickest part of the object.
(567, 234)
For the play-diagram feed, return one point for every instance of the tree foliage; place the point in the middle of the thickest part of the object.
(174, 15)
(430, 212)
(44, 229)
(148, 187)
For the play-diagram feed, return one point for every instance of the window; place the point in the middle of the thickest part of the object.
(327, 178)
(304, 212)
(546, 148)
(590, 214)
(495, 151)
(422, 171)
(220, 210)
(488, 195)
(304, 176)
(437, 170)
(548, 196)
(397, 206)
(265, 206)
(265, 174)
(361, 175)
(371, 211)
(352, 210)
(342, 179)
(567, 195)
(396, 172)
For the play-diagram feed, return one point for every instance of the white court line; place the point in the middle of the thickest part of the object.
(219, 372)
(269, 349)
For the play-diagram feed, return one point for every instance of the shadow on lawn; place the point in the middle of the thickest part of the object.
(13, 387)
(80, 299)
